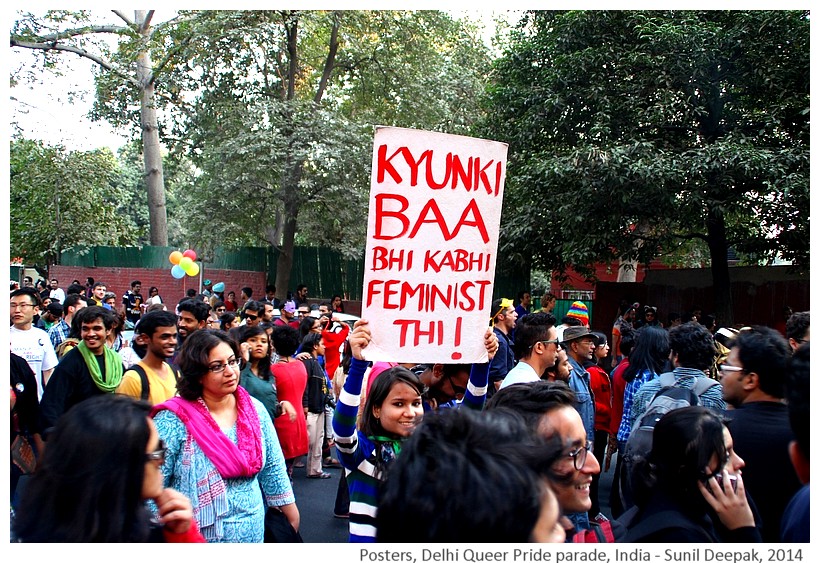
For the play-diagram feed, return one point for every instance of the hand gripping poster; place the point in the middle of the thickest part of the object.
(432, 237)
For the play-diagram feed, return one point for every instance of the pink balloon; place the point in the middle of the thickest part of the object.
(190, 254)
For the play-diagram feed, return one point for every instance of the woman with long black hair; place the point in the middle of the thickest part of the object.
(690, 486)
(102, 463)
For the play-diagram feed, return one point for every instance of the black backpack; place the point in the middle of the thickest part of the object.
(146, 386)
(668, 398)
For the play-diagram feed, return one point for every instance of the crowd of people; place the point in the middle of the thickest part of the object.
(192, 430)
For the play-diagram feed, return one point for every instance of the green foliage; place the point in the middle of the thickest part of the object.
(62, 199)
(282, 131)
(634, 133)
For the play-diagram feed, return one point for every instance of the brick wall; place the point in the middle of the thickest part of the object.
(171, 290)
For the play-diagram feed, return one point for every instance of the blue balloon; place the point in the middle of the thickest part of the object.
(177, 272)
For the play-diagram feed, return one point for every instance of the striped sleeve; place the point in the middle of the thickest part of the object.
(347, 409)
(476, 395)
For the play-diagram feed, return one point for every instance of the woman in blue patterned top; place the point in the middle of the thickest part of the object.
(222, 451)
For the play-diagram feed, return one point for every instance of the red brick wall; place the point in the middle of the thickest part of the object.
(171, 290)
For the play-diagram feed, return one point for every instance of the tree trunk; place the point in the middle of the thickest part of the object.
(718, 252)
(152, 153)
(284, 263)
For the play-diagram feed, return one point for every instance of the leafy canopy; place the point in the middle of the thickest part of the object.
(633, 133)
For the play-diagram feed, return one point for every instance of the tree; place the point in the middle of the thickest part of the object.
(632, 133)
(130, 66)
(282, 124)
(62, 199)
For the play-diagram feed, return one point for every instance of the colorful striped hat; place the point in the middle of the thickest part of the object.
(579, 311)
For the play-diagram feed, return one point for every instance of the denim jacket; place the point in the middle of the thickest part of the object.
(584, 400)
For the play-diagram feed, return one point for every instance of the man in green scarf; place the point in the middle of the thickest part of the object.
(89, 369)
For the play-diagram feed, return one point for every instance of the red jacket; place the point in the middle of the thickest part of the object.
(602, 391)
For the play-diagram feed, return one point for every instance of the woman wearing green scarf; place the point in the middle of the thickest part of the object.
(89, 369)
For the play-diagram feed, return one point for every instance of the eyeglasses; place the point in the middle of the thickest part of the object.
(458, 390)
(545, 342)
(15, 306)
(219, 368)
(221, 309)
(727, 367)
(579, 456)
(158, 454)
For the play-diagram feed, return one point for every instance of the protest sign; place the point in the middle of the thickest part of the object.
(432, 237)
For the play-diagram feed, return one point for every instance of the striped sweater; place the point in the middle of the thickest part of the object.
(357, 454)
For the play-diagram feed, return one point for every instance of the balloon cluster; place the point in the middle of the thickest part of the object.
(183, 263)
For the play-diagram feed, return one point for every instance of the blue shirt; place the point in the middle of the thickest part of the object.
(629, 396)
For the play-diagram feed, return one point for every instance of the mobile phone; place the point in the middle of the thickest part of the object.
(732, 480)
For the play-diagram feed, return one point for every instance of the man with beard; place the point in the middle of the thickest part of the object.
(152, 379)
(454, 385)
(192, 315)
(90, 368)
(580, 344)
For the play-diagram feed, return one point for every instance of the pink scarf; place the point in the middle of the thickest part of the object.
(243, 459)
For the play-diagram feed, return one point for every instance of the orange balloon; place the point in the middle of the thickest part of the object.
(175, 257)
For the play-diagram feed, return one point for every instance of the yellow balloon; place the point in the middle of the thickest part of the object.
(175, 257)
(193, 270)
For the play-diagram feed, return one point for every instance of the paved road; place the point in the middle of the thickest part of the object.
(315, 499)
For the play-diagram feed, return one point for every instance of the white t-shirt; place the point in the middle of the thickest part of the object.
(35, 347)
(57, 295)
(520, 373)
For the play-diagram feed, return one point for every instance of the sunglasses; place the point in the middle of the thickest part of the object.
(251, 317)
(545, 342)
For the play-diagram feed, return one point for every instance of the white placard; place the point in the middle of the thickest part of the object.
(432, 237)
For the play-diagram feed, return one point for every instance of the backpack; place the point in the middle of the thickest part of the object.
(668, 398)
(146, 386)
